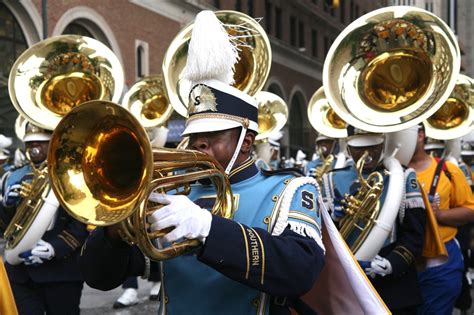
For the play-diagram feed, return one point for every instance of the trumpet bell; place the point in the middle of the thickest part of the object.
(456, 117)
(272, 114)
(251, 71)
(148, 102)
(323, 118)
(391, 69)
(57, 74)
(99, 163)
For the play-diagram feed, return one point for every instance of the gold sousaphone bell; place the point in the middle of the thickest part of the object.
(272, 114)
(392, 69)
(323, 118)
(103, 169)
(57, 74)
(456, 117)
(251, 72)
(148, 101)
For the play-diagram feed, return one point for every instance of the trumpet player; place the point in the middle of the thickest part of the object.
(243, 264)
(45, 278)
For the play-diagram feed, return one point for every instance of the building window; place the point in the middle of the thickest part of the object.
(12, 42)
(301, 34)
(12, 45)
(314, 43)
(141, 58)
(238, 5)
(300, 133)
(452, 15)
(250, 7)
(351, 10)
(268, 16)
(342, 11)
(292, 30)
(278, 22)
(77, 29)
(356, 11)
(327, 44)
(217, 4)
(326, 5)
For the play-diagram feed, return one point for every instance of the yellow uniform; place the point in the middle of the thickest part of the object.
(454, 192)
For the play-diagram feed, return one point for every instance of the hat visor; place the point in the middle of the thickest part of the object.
(37, 137)
(209, 125)
(365, 140)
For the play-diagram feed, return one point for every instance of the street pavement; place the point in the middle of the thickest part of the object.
(95, 302)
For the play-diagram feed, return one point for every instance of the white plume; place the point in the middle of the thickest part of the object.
(212, 53)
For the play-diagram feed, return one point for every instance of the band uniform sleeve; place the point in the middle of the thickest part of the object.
(105, 265)
(283, 265)
(67, 236)
(411, 228)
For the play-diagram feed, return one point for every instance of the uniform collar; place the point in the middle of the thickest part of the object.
(244, 171)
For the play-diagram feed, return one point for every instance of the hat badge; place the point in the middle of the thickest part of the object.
(201, 99)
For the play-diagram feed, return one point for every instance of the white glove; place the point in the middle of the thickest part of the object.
(12, 195)
(379, 266)
(42, 251)
(190, 220)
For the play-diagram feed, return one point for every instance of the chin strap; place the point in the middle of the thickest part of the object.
(236, 152)
(245, 125)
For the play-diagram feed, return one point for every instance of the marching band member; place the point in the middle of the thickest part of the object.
(245, 264)
(453, 205)
(325, 146)
(48, 279)
(268, 152)
(392, 271)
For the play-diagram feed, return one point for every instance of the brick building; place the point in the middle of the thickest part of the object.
(139, 32)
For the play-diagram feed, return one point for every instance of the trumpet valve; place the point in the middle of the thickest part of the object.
(25, 189)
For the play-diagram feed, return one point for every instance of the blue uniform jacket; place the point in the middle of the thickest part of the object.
(240, 260)
(66, 237)
(399, 289)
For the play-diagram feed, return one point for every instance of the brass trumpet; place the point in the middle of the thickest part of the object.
(103, 169)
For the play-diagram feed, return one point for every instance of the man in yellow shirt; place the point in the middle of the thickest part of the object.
(453, 205)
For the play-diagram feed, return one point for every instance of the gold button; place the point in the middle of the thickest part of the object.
(166, 300)
(256, 302)
(287, 181)
(275, 198)
(266, 220)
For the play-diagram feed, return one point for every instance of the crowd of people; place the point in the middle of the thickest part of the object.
(403, 212)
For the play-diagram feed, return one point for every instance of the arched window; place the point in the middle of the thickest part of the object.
(77, 29)
(275, 89)
(12, 44)
(12, 41)
(302, 135)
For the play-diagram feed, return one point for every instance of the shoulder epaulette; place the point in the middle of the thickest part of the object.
(284, 171)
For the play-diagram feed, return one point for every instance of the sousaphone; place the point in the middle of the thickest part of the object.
(46, 82)
(59, 73)
(251, 71)
(456, 117)
(391, 69)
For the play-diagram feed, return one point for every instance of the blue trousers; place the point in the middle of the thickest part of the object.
(441, 285)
